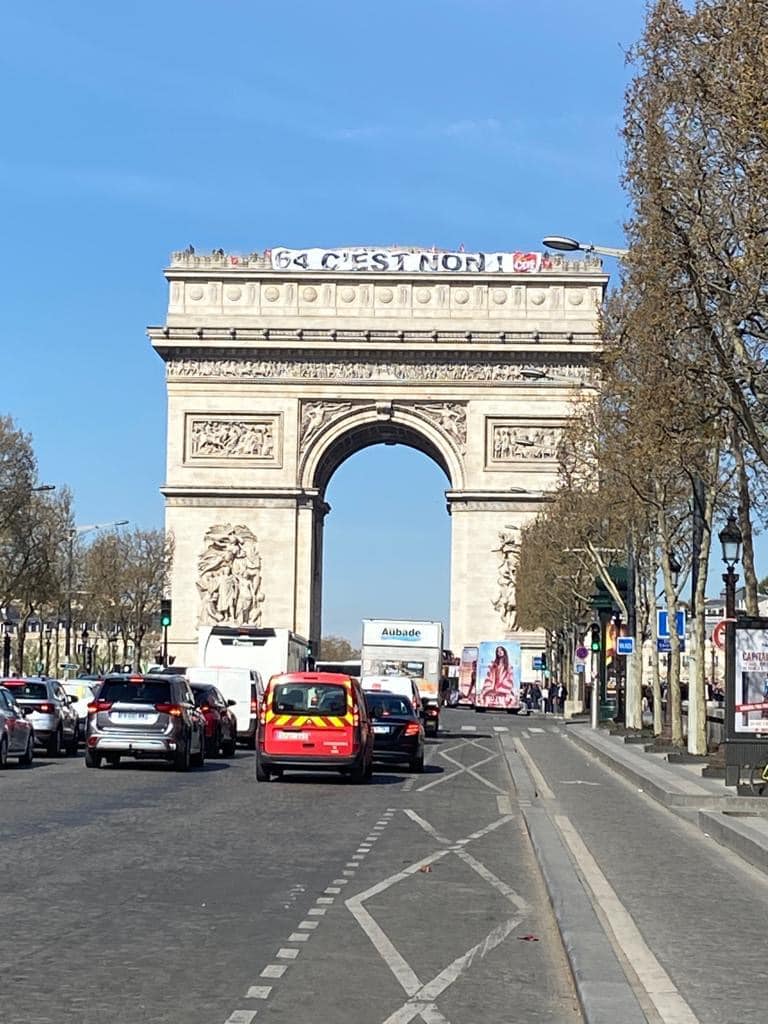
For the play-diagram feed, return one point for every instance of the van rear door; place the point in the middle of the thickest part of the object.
(311, 717)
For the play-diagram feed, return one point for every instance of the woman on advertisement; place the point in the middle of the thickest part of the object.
(499, 682)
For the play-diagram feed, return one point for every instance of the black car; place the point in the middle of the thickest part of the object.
(398, 732)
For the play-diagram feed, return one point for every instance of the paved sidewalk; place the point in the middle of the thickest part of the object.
(740, 823)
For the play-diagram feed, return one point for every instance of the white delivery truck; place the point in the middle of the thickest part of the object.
(240, 661)
(405, 647)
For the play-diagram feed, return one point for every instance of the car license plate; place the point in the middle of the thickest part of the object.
(131, 716)
(281, 734)
(384, 729)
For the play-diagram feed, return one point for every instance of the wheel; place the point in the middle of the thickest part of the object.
(28, 756)
(262, 774)
(213, 745)
(92, 759)
(757, 783)
(417, 763)
(434, 729)
(74, 743)
(113, 760)
(359, 773)
(181, 759)
(54, 745)
(369, 771)
(480, 711)
(3, 752)
(198, 760)
(512, 711)
(229, 749)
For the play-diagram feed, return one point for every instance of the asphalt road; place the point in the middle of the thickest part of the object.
(139, 895)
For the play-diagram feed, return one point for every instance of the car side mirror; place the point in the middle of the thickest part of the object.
(231, 703)
(72, 699)
(27, 712)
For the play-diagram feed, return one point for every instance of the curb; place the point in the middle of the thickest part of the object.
(746, 839)
(604, 993)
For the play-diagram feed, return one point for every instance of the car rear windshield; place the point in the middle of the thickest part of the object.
(313, 699)
(148, 691)
(28, 691)
(381, 706)
(203, 695)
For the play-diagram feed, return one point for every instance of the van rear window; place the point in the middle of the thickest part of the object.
(314, 699)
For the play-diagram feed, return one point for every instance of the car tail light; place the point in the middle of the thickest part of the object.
(263, 710)
(99, 705)
(174, 710)
(412, 729)
(432, 712)
(46, 709)
(204, 707)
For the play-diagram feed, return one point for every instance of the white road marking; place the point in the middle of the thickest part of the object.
(333, 889)
(241, 1016)
(525, 734)
(274, 970)
(358, 857)
(364, 848)
(577, 782)
(258, 992)
(469, 728)
(421, 1001)
(504, 804)
(533, 729)
(671, 1006)
(470, 770)
(317, 911)
(462, 769)
(341, 881)
(349, 874)
(324, 899)
(538, 779)
(298, 937)
(286, 953)
(309, 925)
(501, 728)
(352, 864)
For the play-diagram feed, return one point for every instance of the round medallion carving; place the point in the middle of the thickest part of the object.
(461, 296)
(499, 296)
(385, 295)
(195, 292)
(309, 294)
(576, 298)
(271, 294)
(423, 295)
(347, 294)
(536, 298)
(234, 293)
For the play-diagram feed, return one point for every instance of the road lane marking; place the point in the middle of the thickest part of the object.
(538, 779)
(426, 826)
(664, 995)
(469, 728)
(534, 729)
(525, 734)
(286, 953)
(504, 804)
(309, 925)
(577, 782)
(317, 911)
(341, 881)
(501, 728)
(274, 970)
(332, 889)
(298, 937)
(241, 1016)
(258, 992)
(463, 769)
(470, 770)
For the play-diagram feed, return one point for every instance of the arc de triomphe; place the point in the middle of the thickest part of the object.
(283, 364)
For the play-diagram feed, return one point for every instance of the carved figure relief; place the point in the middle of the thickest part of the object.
(229, 577)
(315, 415)
(509, 442)
(451, 417)
(279, 369)
(231, 438)
(509, 552)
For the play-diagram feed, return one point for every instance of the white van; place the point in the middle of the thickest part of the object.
(403, 686)
(243, 686)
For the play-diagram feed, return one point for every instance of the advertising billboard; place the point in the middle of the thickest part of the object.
(402, 633)
(467, 675)
(498, 675)
(750, 708)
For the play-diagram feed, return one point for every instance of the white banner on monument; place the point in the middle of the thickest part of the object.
(410, 261)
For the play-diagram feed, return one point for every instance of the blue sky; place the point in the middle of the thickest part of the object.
(130, 130)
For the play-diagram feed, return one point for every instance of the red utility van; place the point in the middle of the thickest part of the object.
(314, 721)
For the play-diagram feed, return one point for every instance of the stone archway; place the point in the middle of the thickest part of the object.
(280, 366)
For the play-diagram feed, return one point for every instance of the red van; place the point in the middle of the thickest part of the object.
(314, 721)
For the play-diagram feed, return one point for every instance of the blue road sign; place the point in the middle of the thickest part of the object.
(538, 664)
(625, 645)
(662, 624)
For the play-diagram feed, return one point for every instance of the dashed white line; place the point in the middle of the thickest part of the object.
(349, 874)
(286, 953)
(469, 728)
(298, 937)
(317, 911)
(333, 890)
(351, 864)
(309, 925)
(500, 728)
(241, 1017)
(324, 899)
(534, 729)
(341, 881)
(258, 992)
(274, 971)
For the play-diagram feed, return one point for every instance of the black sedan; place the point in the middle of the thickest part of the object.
(398, 733)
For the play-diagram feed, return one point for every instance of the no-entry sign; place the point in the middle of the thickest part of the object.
(718, 634)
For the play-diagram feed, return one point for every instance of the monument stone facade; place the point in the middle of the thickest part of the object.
(280, 365)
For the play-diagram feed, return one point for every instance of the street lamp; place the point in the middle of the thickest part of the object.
(84, 637)
(675, 569)
(564, 244)
(74, 533)
(43, 487)
(7, 630)
(730, 541)
(48, 635)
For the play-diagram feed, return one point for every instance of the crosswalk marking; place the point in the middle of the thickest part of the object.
(469, 728)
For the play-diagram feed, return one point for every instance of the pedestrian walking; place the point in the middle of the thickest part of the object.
(561, 697)
(545, 706)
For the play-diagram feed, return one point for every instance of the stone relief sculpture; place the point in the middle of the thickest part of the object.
(279, 369)
(451, 417)
(515, 442)
(229, 577)
(227, 438)
(509, 552)
(315, 415)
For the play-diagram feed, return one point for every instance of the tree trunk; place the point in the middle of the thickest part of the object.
(658, 718)
(633, 695)
(673, 661)
(697, 682)
(745, 524)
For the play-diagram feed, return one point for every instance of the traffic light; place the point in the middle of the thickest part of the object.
(595, 632)
(544, 661)
(165, 612)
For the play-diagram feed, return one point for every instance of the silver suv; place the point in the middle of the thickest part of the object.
(53, 718)
(145, 716)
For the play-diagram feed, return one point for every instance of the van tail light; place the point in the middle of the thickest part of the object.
(254, 706)
(174, 710)
(412, 729)
(99, 705)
